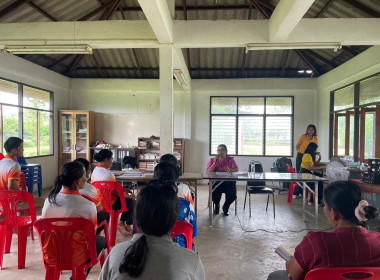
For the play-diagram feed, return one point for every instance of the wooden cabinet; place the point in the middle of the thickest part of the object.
(76, 134)
(150, 152)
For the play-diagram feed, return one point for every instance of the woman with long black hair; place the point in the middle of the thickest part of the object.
(152, 254)
(65, 201)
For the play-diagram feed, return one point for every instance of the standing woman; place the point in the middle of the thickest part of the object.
(65, 201)
(309, 137)
(223, 163)
(101, 173)
(153, 254)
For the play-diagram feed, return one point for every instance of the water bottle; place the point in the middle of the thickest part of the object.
(154, 164)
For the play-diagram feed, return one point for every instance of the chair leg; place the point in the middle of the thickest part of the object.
(236, 204)
(22, 236)
(79, 273)
(52, 273)
(249, 204)
(274, 208)
(114, 223)
(266, 209)
(3, 229)
(8, 240)
(245, 199)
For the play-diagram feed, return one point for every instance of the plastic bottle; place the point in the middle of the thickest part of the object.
(154, 164)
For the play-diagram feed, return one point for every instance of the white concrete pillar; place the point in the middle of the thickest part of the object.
(166, 98)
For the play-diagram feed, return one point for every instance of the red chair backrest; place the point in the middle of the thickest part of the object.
(291, 169)
(22, 183)
(186, 229)
(60, 232)
(105, 190)
(344, 273)
(9, 200)
(1, 156)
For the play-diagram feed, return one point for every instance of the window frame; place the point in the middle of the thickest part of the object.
(359, 116)
(264, 116)
(21, 108)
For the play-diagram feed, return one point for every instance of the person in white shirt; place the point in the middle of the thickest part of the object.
(65, 201)
(10, 169)
(101, 173)
(90, 192)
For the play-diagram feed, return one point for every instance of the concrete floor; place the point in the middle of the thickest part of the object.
(236, 247)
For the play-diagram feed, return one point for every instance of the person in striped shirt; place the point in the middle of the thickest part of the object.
(349, 245)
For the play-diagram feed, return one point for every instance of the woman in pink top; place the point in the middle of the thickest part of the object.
(223, 163)
(349, 245)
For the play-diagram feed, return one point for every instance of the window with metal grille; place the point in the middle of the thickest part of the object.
(252, 126)
(26, 112)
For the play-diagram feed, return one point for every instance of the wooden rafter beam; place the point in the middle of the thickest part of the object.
(42, 12)
(184, 9)
(324, 9)
(266, 4)
(137, 63)
(308, 62)
(97, 65)
(193, 69)
(363, 8)
(121, 11)
(284, 62)
(196, 8)
(109, 12)
(243, 62)
(96, 11)
(74, 63)
(250, 10)
(59, 61)
(11, 7)
(261, 9)
(319, 57)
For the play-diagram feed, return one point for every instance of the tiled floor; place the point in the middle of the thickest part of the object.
(236, 247)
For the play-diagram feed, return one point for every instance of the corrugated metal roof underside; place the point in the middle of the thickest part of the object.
(204, 63)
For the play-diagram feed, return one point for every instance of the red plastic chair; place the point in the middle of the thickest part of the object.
(292, 186)
(60, 233)
(105, 190)
(10, 201)
(1, 156)
(103, 224)
(22, 183)
(186, 229)
(341, 273)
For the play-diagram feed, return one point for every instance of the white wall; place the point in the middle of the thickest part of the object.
(303, 90)
(125, 108)
(20, 70)
(361, 66)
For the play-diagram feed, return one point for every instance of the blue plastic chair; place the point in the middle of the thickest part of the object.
(33, 175)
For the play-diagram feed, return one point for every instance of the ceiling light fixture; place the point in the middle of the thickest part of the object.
(289, 46)
(178, 75)
(301, 71)
(309, 71)
(51, 49)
